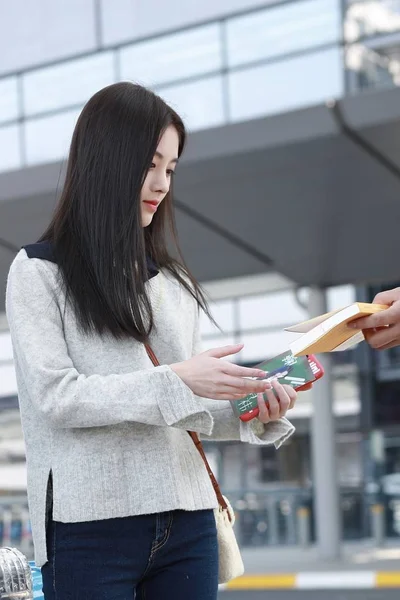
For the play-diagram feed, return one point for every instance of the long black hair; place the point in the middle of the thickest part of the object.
(96, 233)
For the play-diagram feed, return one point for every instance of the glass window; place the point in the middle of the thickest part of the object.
(8, 99)
(278, 309)
(371, 18)
(118, 20)
(286, 85)
(173, 57)
(199, 103)
(67, 84)
(43, 30)
(10, 156)
(281, 30)
(386, 405)
(373, 68)
(129, 19)
(48, 138)
(223, 314)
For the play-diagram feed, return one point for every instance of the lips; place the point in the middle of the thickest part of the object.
(152, 204)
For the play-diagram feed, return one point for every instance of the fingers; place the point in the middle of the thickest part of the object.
(245, 386)
(390, 345)
(263, 412)
(229, 396)
(285, 396)
(381, 319)
(271, 409)
(230, 368)
(272, 406)
(237, 371)
(292, 395)
(224, 351)
(383, 338)
(387, 297)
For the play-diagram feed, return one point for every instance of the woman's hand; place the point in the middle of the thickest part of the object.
(273, 407)
(209, 377)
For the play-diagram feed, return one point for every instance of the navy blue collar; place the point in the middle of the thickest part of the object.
(44, 250)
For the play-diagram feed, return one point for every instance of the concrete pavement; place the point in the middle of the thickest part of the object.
(354, 556)
(360, 567)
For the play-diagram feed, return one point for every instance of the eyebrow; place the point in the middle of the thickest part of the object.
(159, 155)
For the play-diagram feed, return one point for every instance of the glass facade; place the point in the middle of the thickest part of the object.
(281, 30)
(48, 138)
(8, 99)
(215, 62)
(185, 54)
(285, 85)
(263, 60)
(43, 31)
(10, 147)
(123, 20)
(372, 44)
(61, 86)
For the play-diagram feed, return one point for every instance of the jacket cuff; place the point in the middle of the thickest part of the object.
(275, 432)
(181, 408)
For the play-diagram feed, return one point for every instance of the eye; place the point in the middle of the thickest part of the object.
(152, 166)
(170, 172)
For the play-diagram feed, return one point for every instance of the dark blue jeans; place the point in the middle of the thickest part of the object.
(168, 556)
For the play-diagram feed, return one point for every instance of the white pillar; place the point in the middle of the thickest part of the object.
(326, 492)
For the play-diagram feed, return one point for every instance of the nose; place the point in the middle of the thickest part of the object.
(160, 183)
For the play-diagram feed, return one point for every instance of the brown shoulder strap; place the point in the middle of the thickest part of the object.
(197, 443)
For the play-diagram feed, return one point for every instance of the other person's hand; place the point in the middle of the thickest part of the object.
(382, 330)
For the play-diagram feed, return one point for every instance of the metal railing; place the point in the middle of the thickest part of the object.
(287, 517)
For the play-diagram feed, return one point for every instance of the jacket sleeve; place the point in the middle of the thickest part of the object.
(67, 398)
(228, 427)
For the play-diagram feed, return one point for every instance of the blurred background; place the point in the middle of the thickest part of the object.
(287, 205)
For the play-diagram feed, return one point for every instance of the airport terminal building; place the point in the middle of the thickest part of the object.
(293, 109)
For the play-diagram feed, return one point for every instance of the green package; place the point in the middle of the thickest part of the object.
(288, 369)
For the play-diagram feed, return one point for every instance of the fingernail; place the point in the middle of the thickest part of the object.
(352, 325)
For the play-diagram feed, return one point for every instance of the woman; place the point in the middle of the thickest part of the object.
(113, 477)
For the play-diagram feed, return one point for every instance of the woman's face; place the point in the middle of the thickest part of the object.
(158, 179)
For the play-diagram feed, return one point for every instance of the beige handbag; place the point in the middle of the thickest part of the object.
(229, 557)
